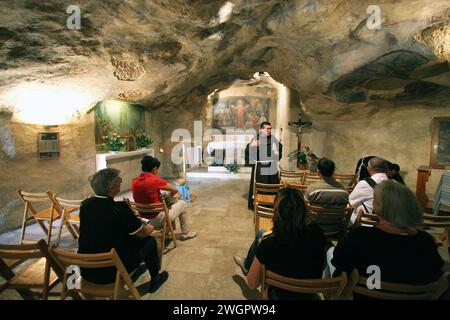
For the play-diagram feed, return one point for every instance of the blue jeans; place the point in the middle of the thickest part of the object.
(252, 251)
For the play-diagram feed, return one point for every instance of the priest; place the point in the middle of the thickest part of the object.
(263, 153)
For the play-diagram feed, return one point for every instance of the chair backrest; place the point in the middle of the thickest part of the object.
(298, 186)
(263, 218)
(66, 203)
(331, 288)
(364, 218)
(32, 197)
(311, 178)
(97, 260)
(25, 252)
(294, 176)
(331, 216)
(348, 180)
(434, 221)
(398, 291)
(143, 208)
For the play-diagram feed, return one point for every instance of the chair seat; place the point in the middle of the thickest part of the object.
(101, 290)
(75, 218)
(45, 214)
(33, 276)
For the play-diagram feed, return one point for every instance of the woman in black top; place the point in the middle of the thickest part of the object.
(294, 248)
(403, 253)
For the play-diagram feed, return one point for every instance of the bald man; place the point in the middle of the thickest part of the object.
(362, 196)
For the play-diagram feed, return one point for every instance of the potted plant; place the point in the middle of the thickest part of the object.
(114, 142)
(306, 159)
(143, 140)
(232, 168)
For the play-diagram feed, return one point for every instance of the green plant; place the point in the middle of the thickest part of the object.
(114, 142)
(143, 140)
(232, 168)
(305, 157)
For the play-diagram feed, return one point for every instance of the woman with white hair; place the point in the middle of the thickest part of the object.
(403, 253)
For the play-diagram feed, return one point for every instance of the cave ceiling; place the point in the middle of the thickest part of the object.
(166, 54)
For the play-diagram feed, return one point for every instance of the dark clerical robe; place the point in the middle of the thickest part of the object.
(267, 169)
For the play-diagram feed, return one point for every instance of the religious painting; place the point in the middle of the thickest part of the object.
(440, 144)
(119, 117)
(240, 112)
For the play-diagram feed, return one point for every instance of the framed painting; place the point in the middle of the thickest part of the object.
(48, 145)
(440, 143)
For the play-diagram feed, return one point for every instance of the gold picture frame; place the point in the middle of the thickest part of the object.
(440, 143)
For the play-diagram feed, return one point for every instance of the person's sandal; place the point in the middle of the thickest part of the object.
(189, 235)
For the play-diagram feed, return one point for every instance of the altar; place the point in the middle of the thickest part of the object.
(229, 148)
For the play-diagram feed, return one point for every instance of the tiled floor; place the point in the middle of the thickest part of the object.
(203, 267)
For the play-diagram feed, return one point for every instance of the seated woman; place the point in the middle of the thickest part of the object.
(403, 253)
(294, 248)
(146, 189)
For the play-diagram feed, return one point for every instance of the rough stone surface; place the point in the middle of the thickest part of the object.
(169, 55)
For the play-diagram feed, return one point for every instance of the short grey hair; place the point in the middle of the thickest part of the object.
(378, 164)
(102, 180)
(395, 203)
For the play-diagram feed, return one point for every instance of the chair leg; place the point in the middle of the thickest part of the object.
(24, 222)
(188, 192)
(174, 238)
(60, 230)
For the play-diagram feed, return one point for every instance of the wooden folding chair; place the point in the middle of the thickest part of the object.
(167, 227)
(331, 288)
(397, 291)
(50, 214)
(71, 221)
(114, 291)
(292, 176)
(366, 219)
(310, 178)
(438, 226)
(263, 218)
(348, 180)
(265, 194)
(338, 217)
(39, 274)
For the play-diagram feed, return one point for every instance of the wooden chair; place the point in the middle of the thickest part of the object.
(114, 291)
(30, 213)
(348, 180)
(39, 274)
(292, 176)
(263, 218)
(265, 194)
(72, 222)
(397, 291)
(432, 223)
(331, 288)
(333, 217)
(310, 178)
(366, 219)
(167, 227)
(301, 187)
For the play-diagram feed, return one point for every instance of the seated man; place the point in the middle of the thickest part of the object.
(327, 193)
(146, 189)
(107, 224)
(362, 196)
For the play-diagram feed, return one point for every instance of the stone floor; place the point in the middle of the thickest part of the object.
(203, 267)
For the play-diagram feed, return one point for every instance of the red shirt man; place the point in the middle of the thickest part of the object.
(146, 188)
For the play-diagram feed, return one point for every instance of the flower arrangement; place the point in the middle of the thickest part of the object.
(143, 140)
(114, 142)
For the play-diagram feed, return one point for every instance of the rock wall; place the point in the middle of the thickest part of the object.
(67, 176)
(401, 136)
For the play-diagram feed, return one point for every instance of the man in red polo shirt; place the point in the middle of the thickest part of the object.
(146, 189)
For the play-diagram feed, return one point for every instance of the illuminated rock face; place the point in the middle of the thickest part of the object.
(386, 71)
(171, 53)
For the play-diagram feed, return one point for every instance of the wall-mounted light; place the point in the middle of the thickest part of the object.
(161, 150)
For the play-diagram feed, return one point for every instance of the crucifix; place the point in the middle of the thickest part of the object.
(299, 124)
